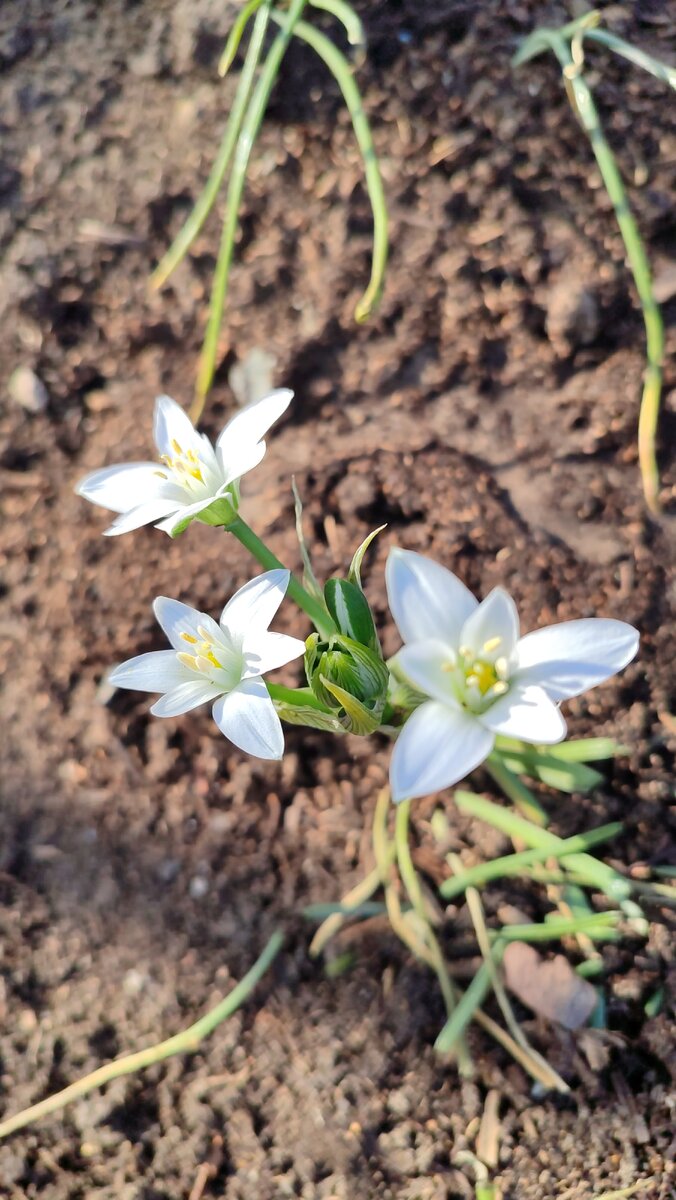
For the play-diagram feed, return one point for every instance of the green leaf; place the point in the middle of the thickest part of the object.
(359, 719)
(309, 578)
(307, 715)
(349, 608)
(354, 573)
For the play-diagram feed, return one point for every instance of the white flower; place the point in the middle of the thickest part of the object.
(481, 677)
(192, 474)
(220, 662)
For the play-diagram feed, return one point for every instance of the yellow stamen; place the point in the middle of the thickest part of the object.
(499, 688)
(187, 637)
(491, 645)
(176, 448)
(162, 474)
(188, 660)
(501, 668)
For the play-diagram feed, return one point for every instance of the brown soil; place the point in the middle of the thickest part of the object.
(488, 414)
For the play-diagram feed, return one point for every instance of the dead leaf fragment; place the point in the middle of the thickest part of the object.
(549, 986)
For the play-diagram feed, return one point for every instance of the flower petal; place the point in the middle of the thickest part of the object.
(143, 514)
(157, 671)
(176, 619)
(526, 712)
(251, 423)
(126, 486)
(567, 659)
(235, 461)
(437, 747)
(252, 608)
(184, 513)
(425, 664)
(267, 651)
(496, 617)
(247, 717)
(172, 424)
(427, 600)
(184, 697)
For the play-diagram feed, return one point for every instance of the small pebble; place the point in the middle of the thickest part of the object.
(26, 389)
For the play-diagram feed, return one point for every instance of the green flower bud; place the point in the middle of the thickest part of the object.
(349, 678)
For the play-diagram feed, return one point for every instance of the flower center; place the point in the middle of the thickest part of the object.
(185, 466)
(481, 678)
(220, 663)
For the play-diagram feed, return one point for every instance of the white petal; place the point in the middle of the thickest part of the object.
(427, 600)
(125, 486)
(267, 651)
(183, 698)
(567, 659)
(436, 748)
(527, 713)
(251, 423)
(247, 717)
(423, 663)
(172, 424)
(144, 514)
(252, 608)
(157, 671)
(236, 459)
(176, 618)
(185, 512)
(496, 617)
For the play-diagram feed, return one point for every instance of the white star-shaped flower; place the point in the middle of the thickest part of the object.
(192, 475)
(221, 662)
(480, 676)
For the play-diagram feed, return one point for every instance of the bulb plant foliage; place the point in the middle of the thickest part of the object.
(468, 674)
(466, 689)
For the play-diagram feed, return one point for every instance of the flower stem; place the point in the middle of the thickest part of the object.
(205, 203)
(248, 134)
(186, 1042)
(341, 71)
(315, 611)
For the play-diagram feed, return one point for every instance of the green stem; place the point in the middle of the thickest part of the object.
(596, 873)
(340, 69)
(411, 882)
(347, 16)
(302, 697)
(582, 103)
(515, 864)
(522, 798)
(232, 45)
(186, 1042)
(317, 614)
(205, 203)
(248, 134)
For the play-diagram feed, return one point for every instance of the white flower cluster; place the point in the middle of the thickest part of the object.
(476, 676)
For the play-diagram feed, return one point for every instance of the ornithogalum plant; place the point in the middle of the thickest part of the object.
(465, 689)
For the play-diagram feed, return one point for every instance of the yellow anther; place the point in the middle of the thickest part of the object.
(191, 456)
(499, 688)
(501, 668)
(188, 660)
(162, 474)
(204, 662)
(491, 645)
(187, 637)
(176, 448)
(205, 636)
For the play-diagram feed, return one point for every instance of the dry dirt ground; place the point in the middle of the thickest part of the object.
(487, 414)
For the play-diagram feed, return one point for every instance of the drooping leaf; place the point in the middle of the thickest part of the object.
(354, 573)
